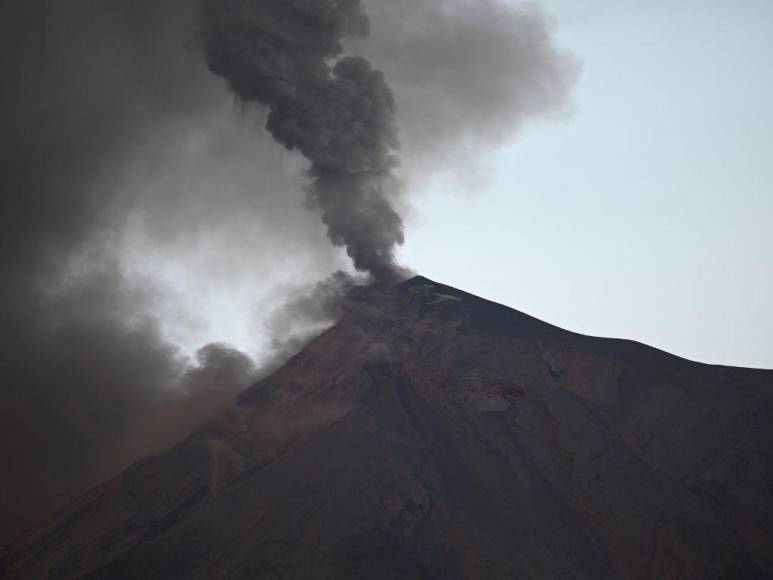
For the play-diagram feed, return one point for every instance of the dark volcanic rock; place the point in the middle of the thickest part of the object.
(432, 434)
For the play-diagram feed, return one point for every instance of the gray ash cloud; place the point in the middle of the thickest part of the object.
(88, 379)
(84, 365)
(467, 74)
(338, 112)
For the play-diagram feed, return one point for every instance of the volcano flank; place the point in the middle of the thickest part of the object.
(433, 434)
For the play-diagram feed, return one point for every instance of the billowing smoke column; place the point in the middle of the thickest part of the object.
(107, 115)
(338, 112)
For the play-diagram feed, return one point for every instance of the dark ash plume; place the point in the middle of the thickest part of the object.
(85, 368)
(304, 314)
(467, 74)
(341, 116)
(107, 112)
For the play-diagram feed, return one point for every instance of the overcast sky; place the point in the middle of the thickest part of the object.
(646, 213)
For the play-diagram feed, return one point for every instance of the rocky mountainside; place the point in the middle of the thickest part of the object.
(432, 434)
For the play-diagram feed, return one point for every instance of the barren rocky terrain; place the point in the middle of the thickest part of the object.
(432, 434)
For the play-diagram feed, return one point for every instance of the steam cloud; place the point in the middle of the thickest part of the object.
(99, 107)
(341, 118)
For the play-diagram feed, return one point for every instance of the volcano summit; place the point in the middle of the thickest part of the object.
(433, 434)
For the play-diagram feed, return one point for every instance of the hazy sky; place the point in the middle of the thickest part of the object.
(646, 213)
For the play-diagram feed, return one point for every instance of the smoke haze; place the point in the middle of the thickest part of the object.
(129, 182)
(84, 360)
(466, 74)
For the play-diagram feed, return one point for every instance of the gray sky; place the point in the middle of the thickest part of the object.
(643, 211)
(647, 213)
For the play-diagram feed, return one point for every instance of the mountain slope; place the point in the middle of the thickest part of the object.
(433, 434)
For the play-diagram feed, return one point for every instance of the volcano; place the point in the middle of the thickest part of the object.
(432, 434)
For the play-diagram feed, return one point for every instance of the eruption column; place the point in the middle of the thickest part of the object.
(338, 112)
